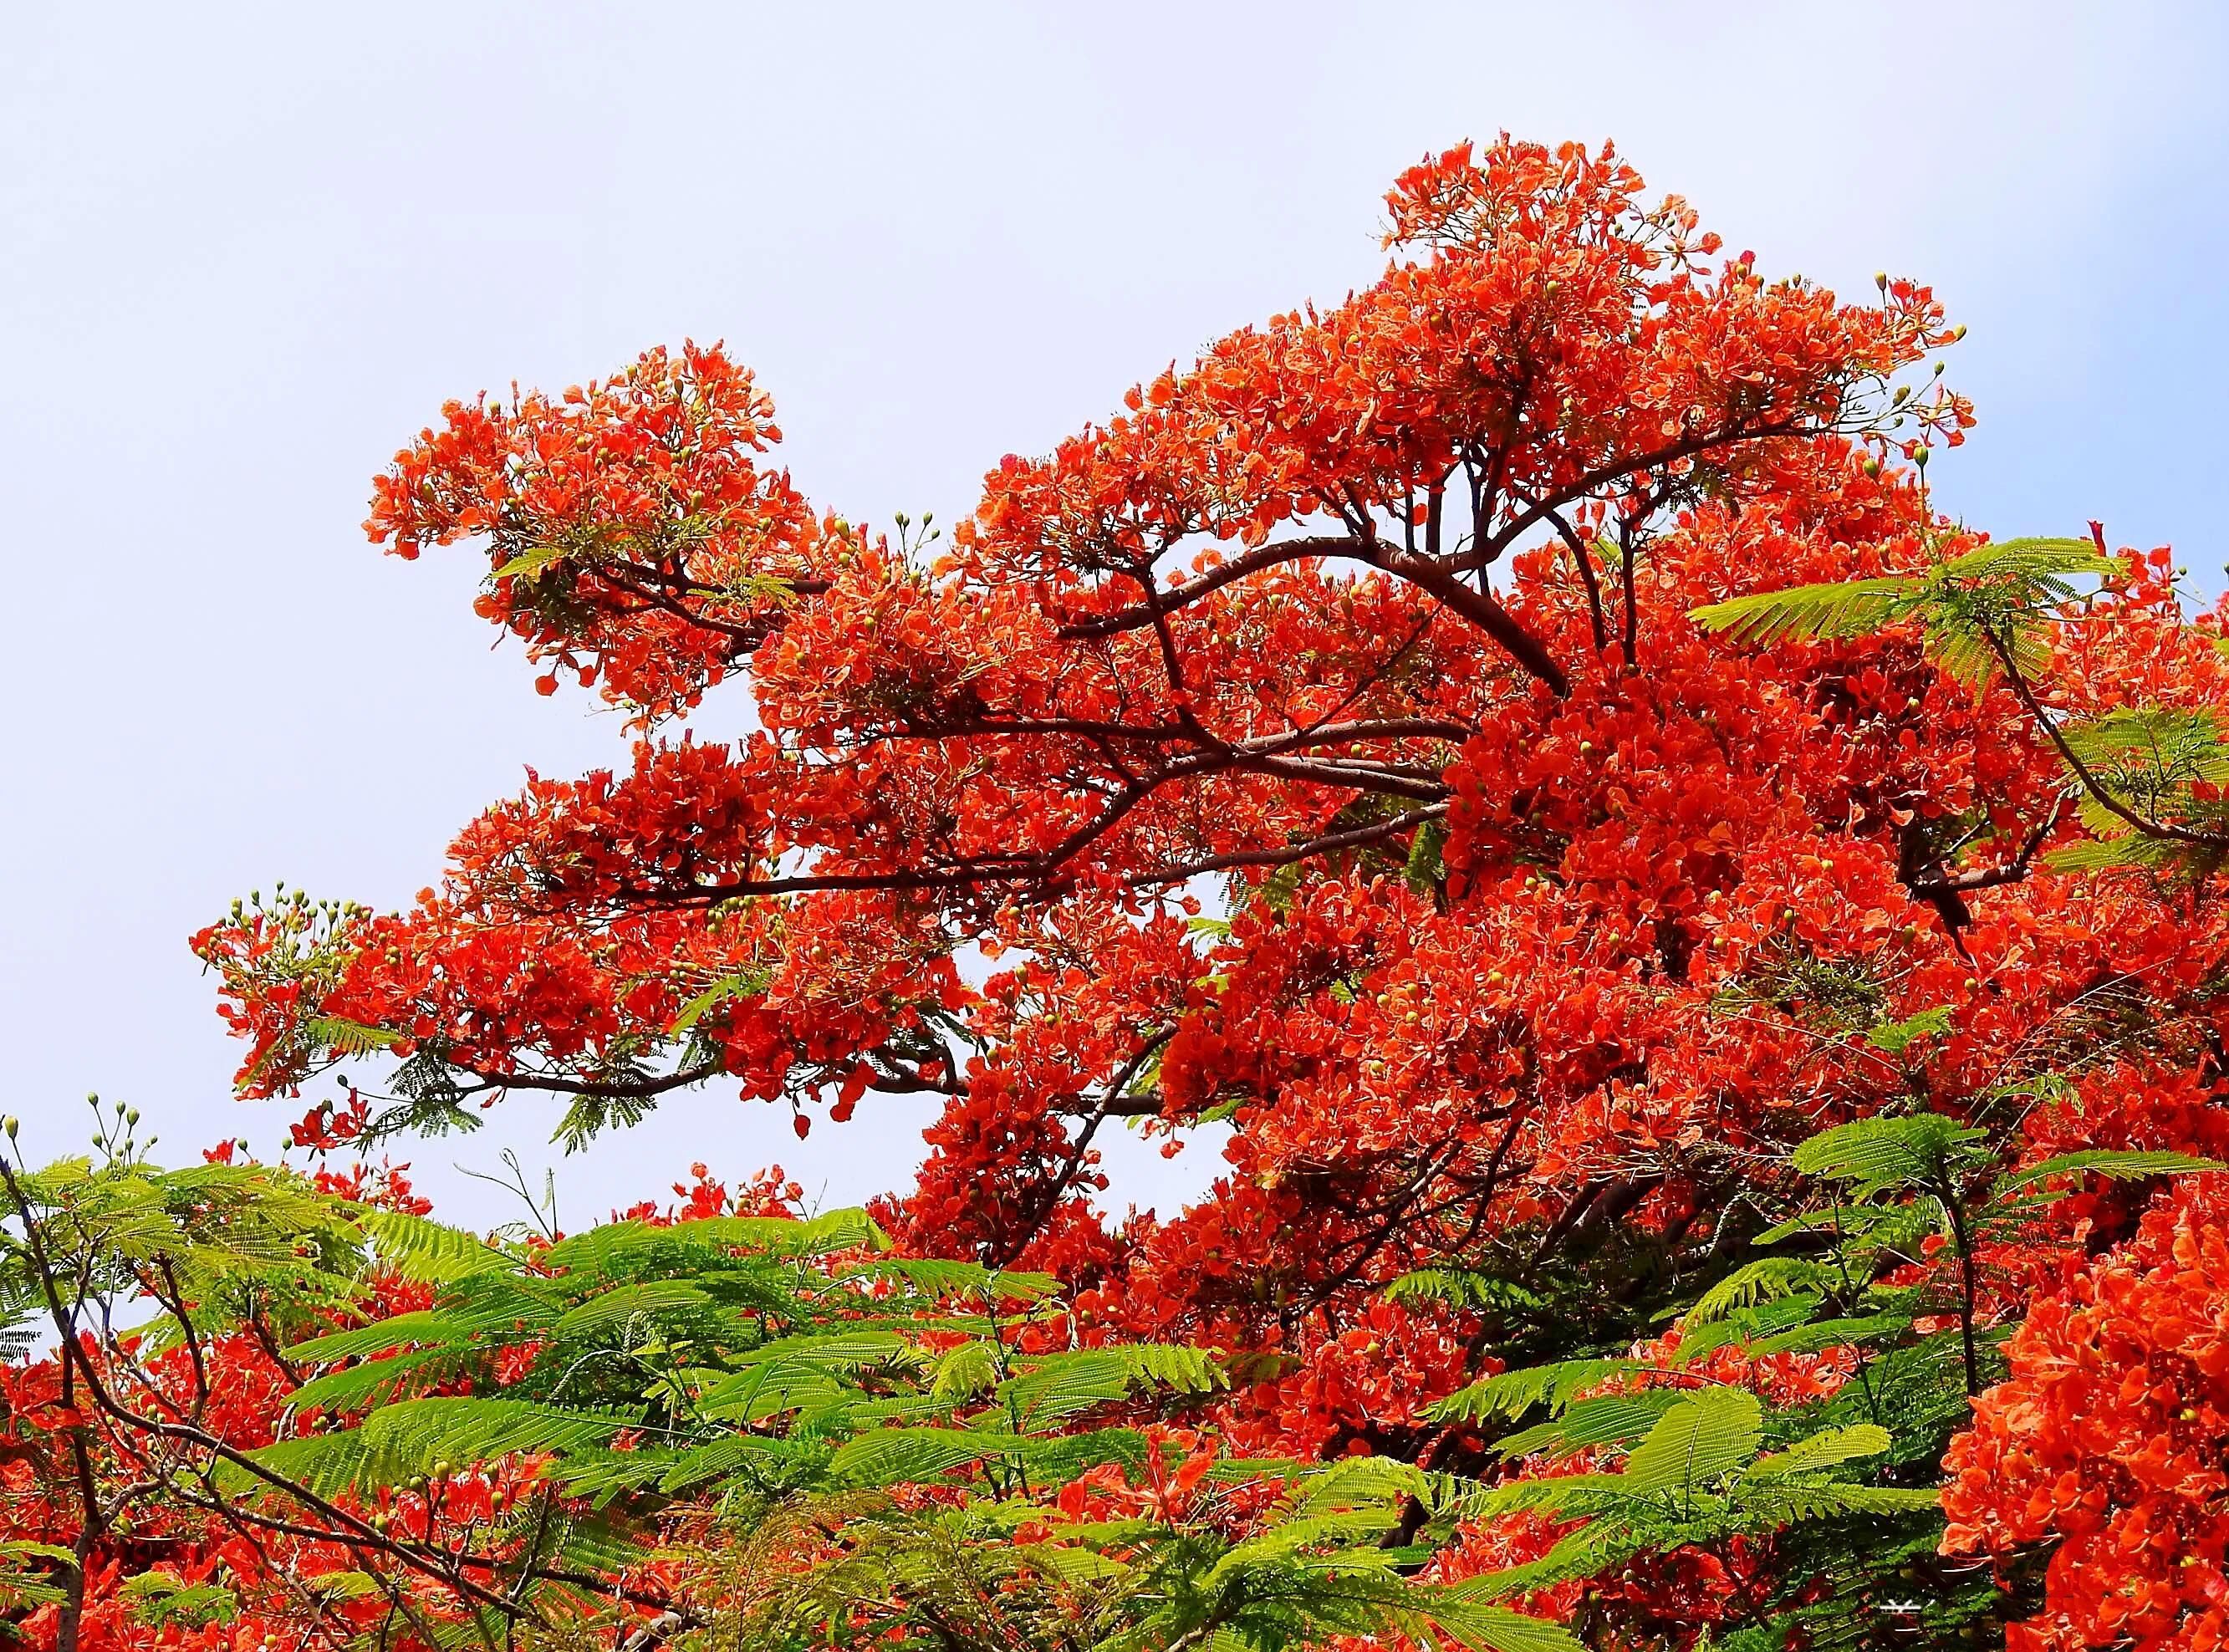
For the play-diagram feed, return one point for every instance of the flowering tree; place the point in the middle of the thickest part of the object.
(1695, 948)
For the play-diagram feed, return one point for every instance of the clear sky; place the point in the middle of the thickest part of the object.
(248, 252)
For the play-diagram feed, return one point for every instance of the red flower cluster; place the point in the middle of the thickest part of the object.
(2110, 1440)
(1540, 919)
(630, 530)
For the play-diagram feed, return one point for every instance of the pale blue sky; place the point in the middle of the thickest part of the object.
(248, 251)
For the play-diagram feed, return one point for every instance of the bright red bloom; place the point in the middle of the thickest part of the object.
(1543, 920)
(2112, 1438)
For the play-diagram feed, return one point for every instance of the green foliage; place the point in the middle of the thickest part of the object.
(1696, 1441)
(242, 1245)
(1314, 1570)
(1460, 1288)
(1845, 608)
(1695, 1475)
(2145, 779)
(1880, 1234)
(763, 1372)
(1426, 869)
(1970, 606)
(2113, 1166)
(742, 984)
(1873, 1156)
(1511, 1393)
(159, 1600)
(1606, 1420)
(1897, 1037)
(2153, 759)
(1756, 1282)
(21, 1585)
(754, 1381)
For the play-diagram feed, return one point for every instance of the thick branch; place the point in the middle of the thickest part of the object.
(1137, 617)
(1358, 837)
(1481, 608)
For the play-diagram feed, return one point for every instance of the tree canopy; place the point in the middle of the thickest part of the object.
(1711, 966)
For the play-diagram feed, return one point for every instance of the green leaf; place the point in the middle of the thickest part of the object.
(1808, 1500)
(1497, 1628)
(1607, 1419)
(1827, 1333)
(429, 1252)
(941, 1278)
(530, 565)
(2117, 851)
(1590, 1549)
(397, 1441)
(1059, 1384)
(1461, 1287)
(430, 1326)
(1425, 870)
(1073, 1565)
(1991, 596)
(2114, 1165)
(1069, 1383)
(1511, 1393)
(410, 1438)
(798, 1372)
(1360, 1482)
(1822, 1450)
(1845, 609)
(1880, 1153)
(341, 1585)
(350, 1037)
(651, 1300)
(160, 1600)
(18, 1549)
(745, 983)
(1755, 1281)
(2028, 557)
(725, 1456)
(1712, 1434)
(623, 1249)
(896, 1457)
(1896, 1037)
(359, 1386)
(966, 1372)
